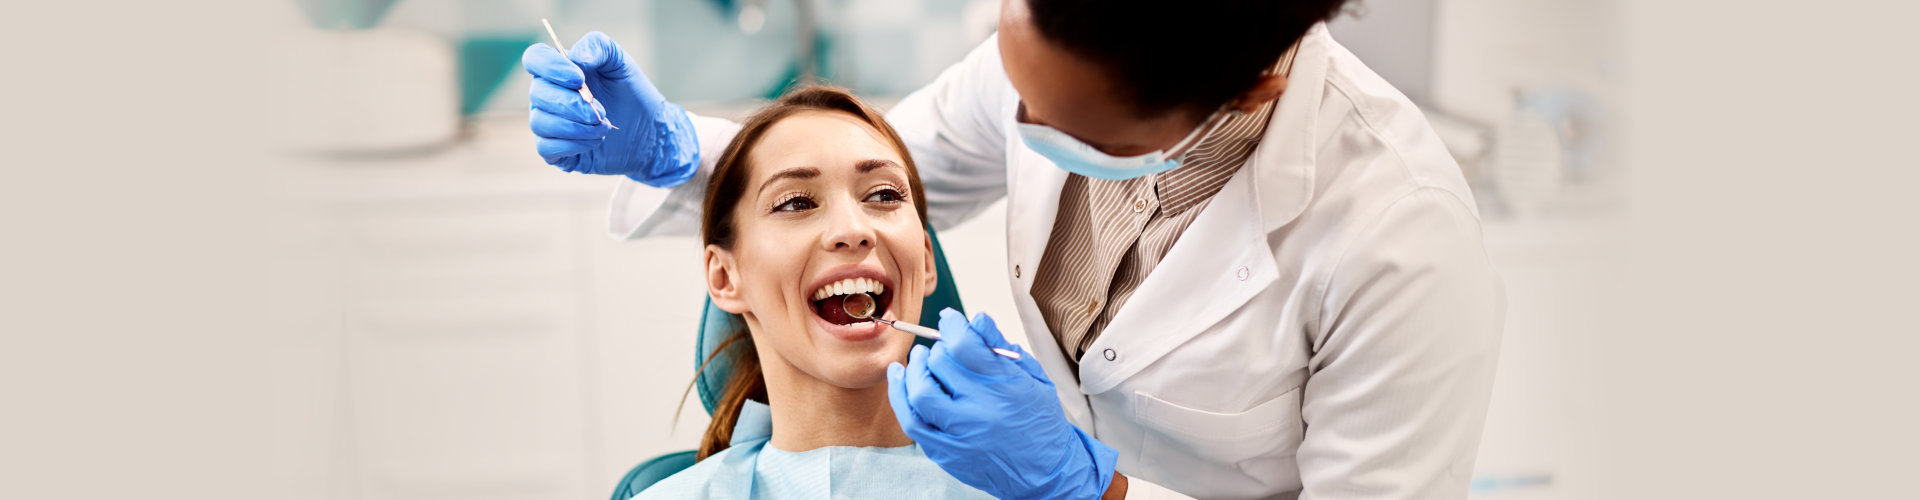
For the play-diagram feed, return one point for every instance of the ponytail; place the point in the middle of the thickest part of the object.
(743, 384)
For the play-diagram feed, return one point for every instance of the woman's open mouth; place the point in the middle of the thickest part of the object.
(829, 302)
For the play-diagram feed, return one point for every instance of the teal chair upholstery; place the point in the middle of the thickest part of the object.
(715, 325)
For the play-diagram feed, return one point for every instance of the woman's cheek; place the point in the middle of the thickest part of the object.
(787, 244)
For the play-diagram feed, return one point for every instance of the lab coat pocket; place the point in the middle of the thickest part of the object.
(1260, 441)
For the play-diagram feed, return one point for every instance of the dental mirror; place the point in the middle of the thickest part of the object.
(862, 305)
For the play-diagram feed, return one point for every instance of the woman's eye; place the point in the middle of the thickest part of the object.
(795, 204)
(886, 196)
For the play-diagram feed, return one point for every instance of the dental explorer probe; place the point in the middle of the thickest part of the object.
(584, 93)
(861, 305)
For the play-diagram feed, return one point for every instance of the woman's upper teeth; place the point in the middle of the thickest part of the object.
(849, 286)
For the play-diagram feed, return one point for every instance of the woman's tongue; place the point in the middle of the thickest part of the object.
(833, 309)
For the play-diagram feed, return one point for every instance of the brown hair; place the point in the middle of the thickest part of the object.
(724, 190)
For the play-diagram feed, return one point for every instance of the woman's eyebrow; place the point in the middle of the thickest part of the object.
(871, 164)
(797, 173)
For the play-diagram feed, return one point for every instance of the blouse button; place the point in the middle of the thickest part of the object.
(1110, 354)
(1241, 274)
(1139, 205)
(1016, 270)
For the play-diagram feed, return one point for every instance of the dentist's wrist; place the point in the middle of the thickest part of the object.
(1116, 490)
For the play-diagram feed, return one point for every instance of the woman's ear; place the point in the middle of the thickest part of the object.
(932, 268)
(723, 280)
(1267, 89)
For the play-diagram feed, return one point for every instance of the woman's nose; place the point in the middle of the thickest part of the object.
(849, 230)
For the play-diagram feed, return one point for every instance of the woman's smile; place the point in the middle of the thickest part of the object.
(829, 294)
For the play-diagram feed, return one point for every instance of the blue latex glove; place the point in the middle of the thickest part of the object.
(654, 143)
(992, 422)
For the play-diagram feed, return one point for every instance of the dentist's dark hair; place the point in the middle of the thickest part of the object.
(726, 189)
(1191, 55)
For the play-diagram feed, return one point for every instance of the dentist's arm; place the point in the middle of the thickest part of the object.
(1403, 357)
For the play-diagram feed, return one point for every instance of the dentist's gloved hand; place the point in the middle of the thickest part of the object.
(654, 143)
(992, 422)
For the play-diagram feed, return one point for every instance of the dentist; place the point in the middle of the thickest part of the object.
(1247, 266)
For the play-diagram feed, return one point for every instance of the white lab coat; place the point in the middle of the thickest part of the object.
(1327, 328)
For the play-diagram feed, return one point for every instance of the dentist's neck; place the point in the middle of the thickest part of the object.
(809, 413)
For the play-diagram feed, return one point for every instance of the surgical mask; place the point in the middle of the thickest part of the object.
(1074, 156)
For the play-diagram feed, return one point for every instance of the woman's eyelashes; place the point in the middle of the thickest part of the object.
(801, 202)
(887, 194)
(795, 202)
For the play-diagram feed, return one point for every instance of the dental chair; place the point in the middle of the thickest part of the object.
(715, 325)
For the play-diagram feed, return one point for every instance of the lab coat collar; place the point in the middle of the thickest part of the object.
(1033, 204)
(1283, 162)
(1033, 201)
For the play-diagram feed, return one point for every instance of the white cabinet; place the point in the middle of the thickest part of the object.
(486, 338)
(464, 362)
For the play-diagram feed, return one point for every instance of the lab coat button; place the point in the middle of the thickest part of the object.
(1110, 354)
(1016, 270)
(1242, 273)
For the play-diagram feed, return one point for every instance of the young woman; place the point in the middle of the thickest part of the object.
(815, 199)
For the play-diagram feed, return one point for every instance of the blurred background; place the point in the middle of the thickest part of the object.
(472, 332)
(304, 248)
